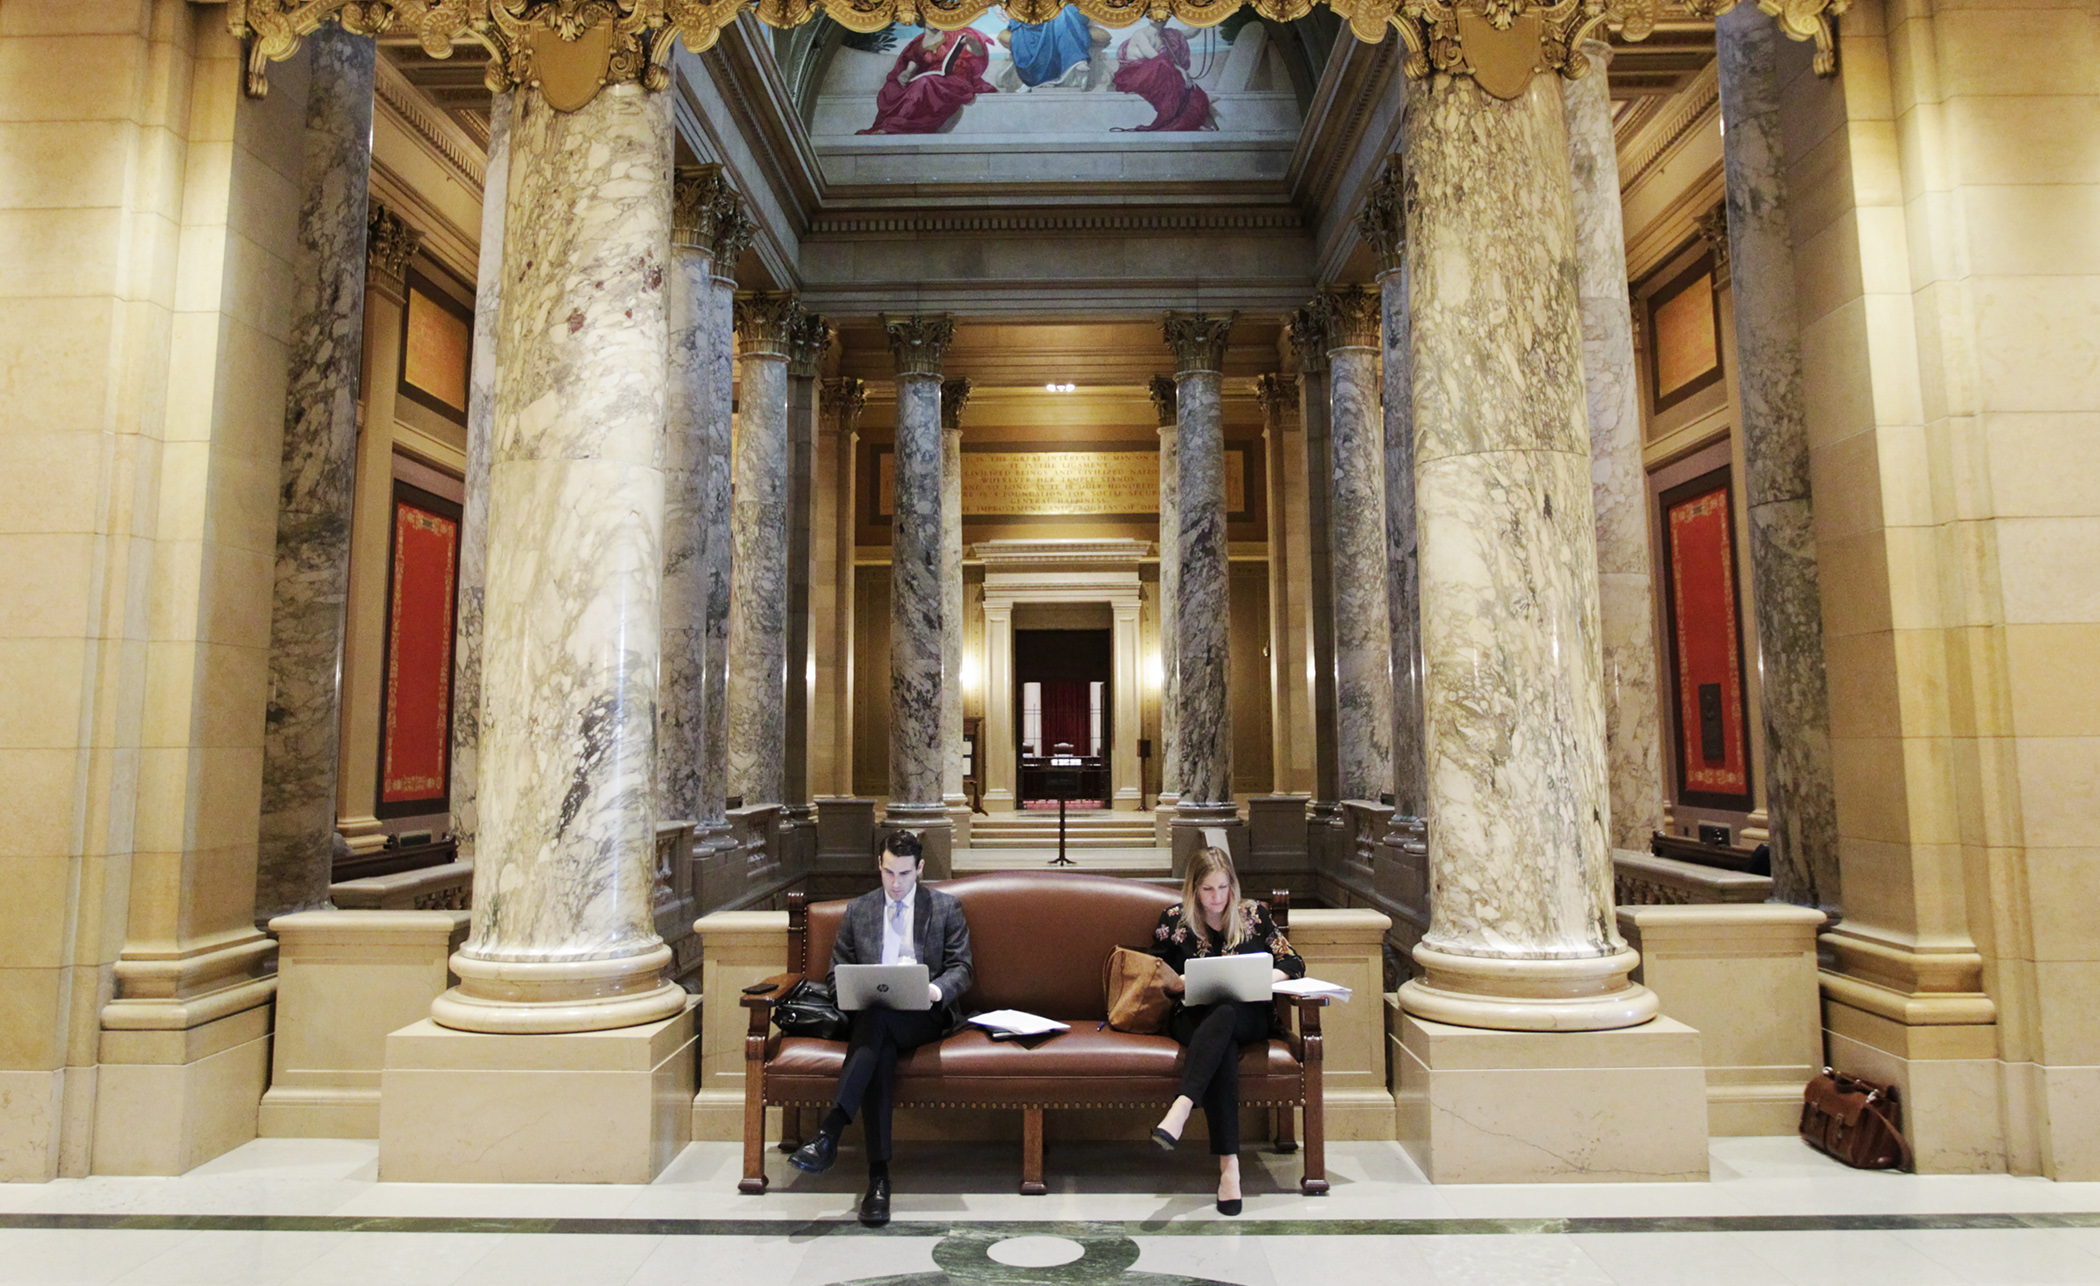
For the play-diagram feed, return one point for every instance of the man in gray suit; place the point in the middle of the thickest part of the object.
(902, 922)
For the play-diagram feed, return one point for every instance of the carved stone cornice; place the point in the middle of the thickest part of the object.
(955, 395)
(764, 320)
(919, 342)
(1351, 316)
(570, 49)
(1307, 327)
(841, 401)
(1165, 400)
(809, 335)
(1278, 395)
(702, 202)
(1383, 220)
(1198, 340)
(390, 243)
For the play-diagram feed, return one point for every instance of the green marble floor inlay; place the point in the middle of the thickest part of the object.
(1092, 1234)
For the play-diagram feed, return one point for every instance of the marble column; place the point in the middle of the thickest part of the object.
(955, 395)
(1618, 476)
(1202, 615)
(807, 343)
(1163, 404)
(699, 200)
(1784, 583)
(918, 605)
(317, 482)
(758, 591)
(1307, 329)
(474, 514)
(1363, 619)
(1290, 584)
(714, 401)
(1522, 934)
(839, 405)
(563, 937)
(1384, 229)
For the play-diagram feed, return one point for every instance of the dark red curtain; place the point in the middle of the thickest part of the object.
(1065, 715)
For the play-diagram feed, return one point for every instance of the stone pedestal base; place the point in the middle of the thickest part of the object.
(1480, 1106)
(846, 834)
(1197, 826)
(345, 980)
(1163, 818)
(168, 1101)
(585, 1107)
(1948, 1076)
(958, 820)
(1745, 976)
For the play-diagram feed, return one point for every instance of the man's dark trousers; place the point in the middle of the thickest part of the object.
(869, 1079)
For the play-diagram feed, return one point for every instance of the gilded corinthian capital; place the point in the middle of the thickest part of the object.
(764, 321)
(1165, 400)
(1307, 328)
(390, 243)
(1198, 341)
(702, 204)
(955, 395)
(1383, 220)
(1352, 315)
(841, 401)
(809, 335)
(1278, 395)
(919, 342)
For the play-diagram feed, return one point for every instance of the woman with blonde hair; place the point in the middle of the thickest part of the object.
(1214, 920)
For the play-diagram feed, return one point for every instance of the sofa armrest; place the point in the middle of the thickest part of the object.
(776, 986)
(1303, 1035)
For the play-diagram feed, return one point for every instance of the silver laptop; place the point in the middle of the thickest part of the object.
(897, 986)
(1211, 979)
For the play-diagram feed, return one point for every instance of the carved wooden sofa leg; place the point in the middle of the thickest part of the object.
(1032, 1152)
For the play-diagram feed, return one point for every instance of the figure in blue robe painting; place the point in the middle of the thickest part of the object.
(1057, 54)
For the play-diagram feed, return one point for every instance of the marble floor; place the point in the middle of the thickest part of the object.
(311, 1212)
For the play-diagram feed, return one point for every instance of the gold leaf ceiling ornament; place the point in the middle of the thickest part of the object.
(570, 49)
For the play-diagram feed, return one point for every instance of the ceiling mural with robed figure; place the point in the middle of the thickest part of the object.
(995, 98)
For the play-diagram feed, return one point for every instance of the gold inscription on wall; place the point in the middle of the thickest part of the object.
(438, 344)
(1057, 483)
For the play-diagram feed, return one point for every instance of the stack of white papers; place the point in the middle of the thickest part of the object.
(1017, 1022)
(1313, 987)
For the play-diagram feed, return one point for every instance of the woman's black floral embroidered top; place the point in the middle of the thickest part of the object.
(1177, 943)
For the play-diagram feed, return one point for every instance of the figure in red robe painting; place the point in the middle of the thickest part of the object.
(1154, 65)
(936, 76)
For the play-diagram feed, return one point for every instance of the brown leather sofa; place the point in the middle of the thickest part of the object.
(1039, 941)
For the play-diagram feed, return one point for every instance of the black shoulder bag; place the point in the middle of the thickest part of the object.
(810, 1008)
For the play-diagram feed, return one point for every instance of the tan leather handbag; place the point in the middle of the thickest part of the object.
(1136, 987)
(1856, 1121)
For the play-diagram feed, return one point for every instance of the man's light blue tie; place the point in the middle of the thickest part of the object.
(902, 931)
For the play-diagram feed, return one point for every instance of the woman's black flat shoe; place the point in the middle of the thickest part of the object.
(1165, 1140)
(1231, 1207)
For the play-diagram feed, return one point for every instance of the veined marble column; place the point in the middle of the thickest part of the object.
(317, 482)
(1384, 229)
(1308, 335)
(1618, 477)
(1163, 403)
(1798, 785)
(918, 605)
(807, 343)
(955, 394)
(563, 936)
(839, 406)
(715, 395)
(1522, 934)
(474, 514)
(1202, 615)
(1363, 619)
(759, 527)
(699, 200)
(1290, 583)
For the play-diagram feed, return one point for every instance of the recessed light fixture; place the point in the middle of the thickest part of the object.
(1060, 388)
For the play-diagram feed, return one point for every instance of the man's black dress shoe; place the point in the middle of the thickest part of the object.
(815, 1156)
(875, 1207)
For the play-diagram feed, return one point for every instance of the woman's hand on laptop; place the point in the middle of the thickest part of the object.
(1176, 984)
